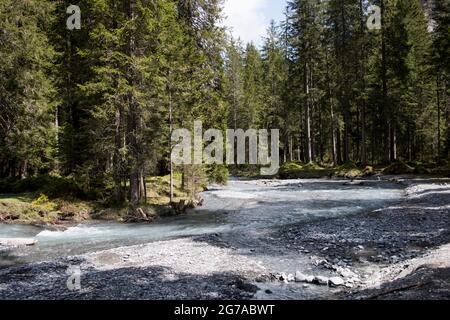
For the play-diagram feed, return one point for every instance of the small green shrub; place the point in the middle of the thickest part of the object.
(290, 170)
(296, 170)
(218, 174)
(43, 199)
(44, 202)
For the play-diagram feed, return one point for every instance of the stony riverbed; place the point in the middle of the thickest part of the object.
(398, 251)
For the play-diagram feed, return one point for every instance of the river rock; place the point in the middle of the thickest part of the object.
(300, 277)
(346, 273)
(321, 280)
(282, 277)
(17, 241)
(336, 281)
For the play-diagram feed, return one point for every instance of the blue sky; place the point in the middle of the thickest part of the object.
(249, 19)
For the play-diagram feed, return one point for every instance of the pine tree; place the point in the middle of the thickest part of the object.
(253, 86)
(275, 113)
(27, 105)
(440, 13)
(234, 86)
(306, 29)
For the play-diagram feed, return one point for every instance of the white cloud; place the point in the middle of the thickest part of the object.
(249, 19)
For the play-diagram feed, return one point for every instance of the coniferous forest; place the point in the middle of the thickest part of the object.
(97, 104)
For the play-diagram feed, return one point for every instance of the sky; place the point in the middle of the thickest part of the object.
(249, 19)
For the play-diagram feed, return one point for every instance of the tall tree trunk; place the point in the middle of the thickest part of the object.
(332, 116)
(363, 80)
(291, 148)
(339, 145)
(445, 97)
(385, 100)
(117, 158)
(134, 128)
(170, 143)
(344, 86)
(438, 98)
(307, 116)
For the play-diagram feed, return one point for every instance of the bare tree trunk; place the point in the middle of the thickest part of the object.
(307, 117)
(339, 145)
(363, 78)
(438, 117)
(332, 116)
(134, 125)
(291, 149)
(447, 117)
(170, 143)
(386, 111)
(142, 185)
(183, 178)
(117, 161)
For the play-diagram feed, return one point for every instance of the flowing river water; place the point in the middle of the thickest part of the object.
(242, 207)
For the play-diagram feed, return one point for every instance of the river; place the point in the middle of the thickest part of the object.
(242, 207)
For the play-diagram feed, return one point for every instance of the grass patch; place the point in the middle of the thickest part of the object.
(158, 190)
(244, 171)
(348, 170)
(26, 209)
(297, 170)
(38, 207)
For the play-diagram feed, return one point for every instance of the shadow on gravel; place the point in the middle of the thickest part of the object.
(48, 281)
(389, 237)
(424, 284)
(8, 258)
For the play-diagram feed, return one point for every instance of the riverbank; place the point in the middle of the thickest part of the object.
(55, 202)
(351, 170)
(398, 252)
(37, 208)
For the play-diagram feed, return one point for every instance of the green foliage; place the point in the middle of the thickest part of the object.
(295, 170)
(218, 174)
(41, 200)
(51, 186)
(44, 202)
(89, 113)
(26, 89)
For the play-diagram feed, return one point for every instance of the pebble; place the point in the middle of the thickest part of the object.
(336, 281)
(321, 280)
(300, 277)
